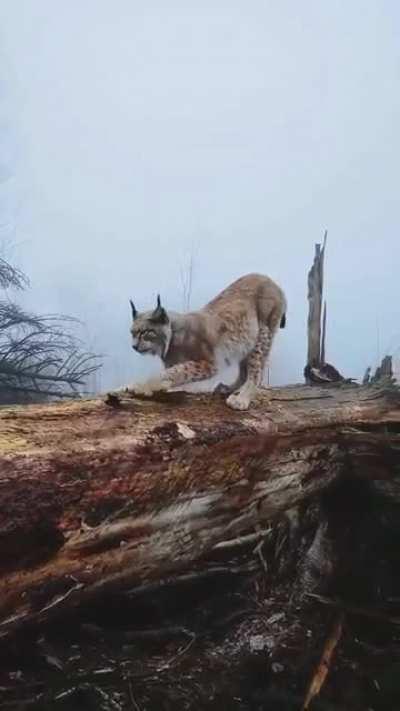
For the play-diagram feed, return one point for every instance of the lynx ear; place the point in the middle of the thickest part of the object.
(159, 314)
(134, 311)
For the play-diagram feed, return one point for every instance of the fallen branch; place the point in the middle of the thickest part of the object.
(322, 670)
(190, 578)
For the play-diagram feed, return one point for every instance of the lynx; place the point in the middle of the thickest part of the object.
(238, 326)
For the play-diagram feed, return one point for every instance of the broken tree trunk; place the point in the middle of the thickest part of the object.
(317, 371)
(315, 291)
(384, 370)
(95, 499)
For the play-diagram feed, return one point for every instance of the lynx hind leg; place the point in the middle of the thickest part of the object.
(256, 360)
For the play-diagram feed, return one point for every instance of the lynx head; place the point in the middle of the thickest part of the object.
(151, 330)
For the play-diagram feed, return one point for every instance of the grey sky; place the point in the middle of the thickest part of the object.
(133, 132)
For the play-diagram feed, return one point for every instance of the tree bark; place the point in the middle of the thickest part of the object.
(94, 499)
(315, 291)
(323, 337)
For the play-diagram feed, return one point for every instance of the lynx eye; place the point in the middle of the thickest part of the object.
(149, 333)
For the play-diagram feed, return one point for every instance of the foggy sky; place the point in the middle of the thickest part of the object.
(133, 134)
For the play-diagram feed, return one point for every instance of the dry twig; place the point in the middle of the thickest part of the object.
(323, 667)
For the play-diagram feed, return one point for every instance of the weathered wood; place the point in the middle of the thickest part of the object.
(162, 483)
(315, 291)
(323, 338)
(384, 370)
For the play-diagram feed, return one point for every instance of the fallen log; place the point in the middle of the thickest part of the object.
(95, 499)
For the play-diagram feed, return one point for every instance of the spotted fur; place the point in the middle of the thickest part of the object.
(238, 326)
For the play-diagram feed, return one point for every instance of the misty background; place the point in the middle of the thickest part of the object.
(136, 136)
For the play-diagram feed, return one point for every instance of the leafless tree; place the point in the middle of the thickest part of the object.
(40, 356)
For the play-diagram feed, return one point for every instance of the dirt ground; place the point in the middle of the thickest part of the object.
(237, 639)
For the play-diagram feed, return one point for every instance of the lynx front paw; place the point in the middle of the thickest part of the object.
(142, 390)
(239, 401)
(148, 389)
(114, 398)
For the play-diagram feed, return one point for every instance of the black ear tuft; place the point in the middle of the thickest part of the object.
(159, 314)
(134, 311)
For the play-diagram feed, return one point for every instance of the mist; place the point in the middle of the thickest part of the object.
(136, 136)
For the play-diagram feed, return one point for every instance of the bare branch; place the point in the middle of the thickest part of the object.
(40, 356)
(11, 276)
